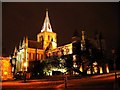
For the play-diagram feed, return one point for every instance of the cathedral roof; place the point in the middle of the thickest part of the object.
(34, 44)
(46, 25)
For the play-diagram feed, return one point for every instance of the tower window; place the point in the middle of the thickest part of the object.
(40, 38)
(29, 56)
(48, 37)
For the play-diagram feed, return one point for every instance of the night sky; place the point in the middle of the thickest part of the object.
(20, 19)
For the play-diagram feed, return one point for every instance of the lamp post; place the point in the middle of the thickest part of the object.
(114, 59)
(91, 61)
(25, 67)
(65, 81)
(113, 53)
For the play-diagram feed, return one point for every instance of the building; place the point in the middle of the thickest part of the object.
(45, 47)
(30, 50)
(5, 68)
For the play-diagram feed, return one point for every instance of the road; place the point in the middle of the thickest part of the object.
(99, 82)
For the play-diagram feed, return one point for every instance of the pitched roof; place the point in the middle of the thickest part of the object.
(34, 44)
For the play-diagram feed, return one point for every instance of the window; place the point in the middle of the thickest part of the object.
(29, 56)
(37, 56)
(34, 56)
(41, 38)
(41, 56)
(48, 37)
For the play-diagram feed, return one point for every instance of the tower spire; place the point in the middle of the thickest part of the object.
(20, 45)
(15, 50)
(46, 12)
(46, 25)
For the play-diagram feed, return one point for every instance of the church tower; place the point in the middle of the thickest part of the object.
(47, 36)
(83, 41)
(76, 43)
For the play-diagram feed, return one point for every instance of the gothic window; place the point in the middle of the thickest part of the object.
(29, 56)
(52, 39)
(41, 38)
(34, 56)
(67, 50)
(37, 56)
(48, 37)
(49, 26)
(41, 56)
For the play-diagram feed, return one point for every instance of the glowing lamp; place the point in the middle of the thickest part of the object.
(81, 69)
(107, 68)
(25, 64)
(101, 71)
(5, 73)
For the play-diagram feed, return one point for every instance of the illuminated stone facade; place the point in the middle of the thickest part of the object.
(5, 67)
(46, 46)
(59, 51)
(30, 50)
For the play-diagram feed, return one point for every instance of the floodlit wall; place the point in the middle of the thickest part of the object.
(6, 70)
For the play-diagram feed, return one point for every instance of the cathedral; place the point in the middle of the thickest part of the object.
(46, 46)
(30, 50)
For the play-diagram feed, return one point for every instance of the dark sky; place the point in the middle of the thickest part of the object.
(20, 19)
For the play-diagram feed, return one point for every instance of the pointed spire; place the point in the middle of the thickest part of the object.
(15, 50)
(20, 45)
(46, 12)
(23, 43)
(26, 41)
(83, 35)
(46, 25)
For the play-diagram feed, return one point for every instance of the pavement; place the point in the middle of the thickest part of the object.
(97, 82)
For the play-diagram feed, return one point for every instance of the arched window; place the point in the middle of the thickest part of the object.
(48, 37)
(41, 38)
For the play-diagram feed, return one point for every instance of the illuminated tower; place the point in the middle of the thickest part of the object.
(83, 41)
(13, 62)
(25, 47)
(15, 51)
(76, 43)
(76, 48)
(47, 36)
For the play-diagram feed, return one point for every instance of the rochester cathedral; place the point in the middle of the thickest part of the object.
(81, 55)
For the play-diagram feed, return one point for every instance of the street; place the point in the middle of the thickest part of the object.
(99, 82)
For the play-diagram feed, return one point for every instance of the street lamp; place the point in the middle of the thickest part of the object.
(113, 53)
(91, 61)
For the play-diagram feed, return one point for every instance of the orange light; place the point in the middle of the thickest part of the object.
(25, 64)
(88, 71)
(5, 73)
(101, 71)
(107, 68)
(81, 69)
